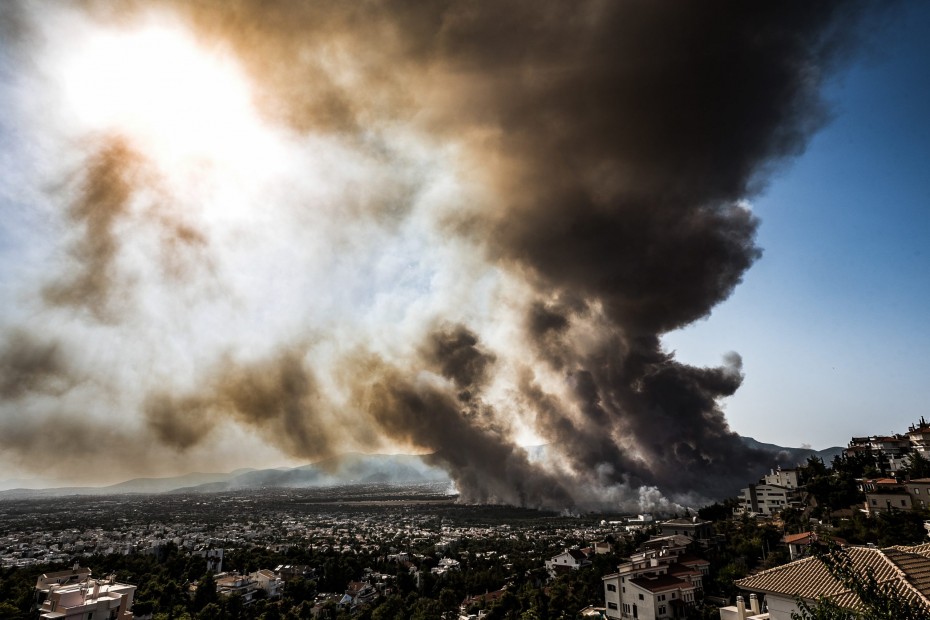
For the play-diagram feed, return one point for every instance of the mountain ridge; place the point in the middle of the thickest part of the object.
(344, 469)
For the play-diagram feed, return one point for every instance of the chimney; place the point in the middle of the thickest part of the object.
(740, 608)
(96, 589)
(754, 604)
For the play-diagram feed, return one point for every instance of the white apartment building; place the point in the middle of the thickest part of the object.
(787, 478)
(91, 599)
(654, 584)
(765, 499)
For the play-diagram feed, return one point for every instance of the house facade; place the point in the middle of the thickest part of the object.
(90, 599)
(766, 499)
(902, 569)
(572, 559)
(657, 582)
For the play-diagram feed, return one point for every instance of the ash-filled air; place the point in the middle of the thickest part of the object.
(241, 233)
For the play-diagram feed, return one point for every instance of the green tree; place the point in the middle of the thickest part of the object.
(917, 466)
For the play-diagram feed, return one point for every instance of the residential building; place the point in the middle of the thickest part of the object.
(89, 599)
(694, 528)
(741, 612)
(885, 495)
(214, 558)
(798, 544)
(919, 436)
(787, 478)
(907, 569)
(919, 490)
(890, 450)
(602, 547)
(572, 559)
(229, 584)
(766, 499)
(482, 601)
(656, 582)
(47, 581)
(267, 580)
(358, 593)
(886, 502)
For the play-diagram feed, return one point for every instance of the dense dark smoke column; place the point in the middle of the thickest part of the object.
(635, 129)
(619, 139)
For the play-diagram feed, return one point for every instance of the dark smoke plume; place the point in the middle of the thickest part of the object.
(31, 365)
(614, 146)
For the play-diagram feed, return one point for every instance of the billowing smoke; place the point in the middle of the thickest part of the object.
(436, 227)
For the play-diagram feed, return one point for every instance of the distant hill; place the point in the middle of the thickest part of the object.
(791, 457)
(341, 470)
(346, 469)
(136, 485)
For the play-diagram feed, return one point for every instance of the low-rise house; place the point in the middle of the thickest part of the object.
(295, 571)
(905, 569)
(885, 495)
(919, 490)
(358, 593)
(572, 559)
(269, 582)
(229, 584)
(602, 547)
(481, 601)
(446, 565)
(741, 612)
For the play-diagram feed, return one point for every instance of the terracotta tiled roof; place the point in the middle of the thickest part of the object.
(803, 538)
(908, 567)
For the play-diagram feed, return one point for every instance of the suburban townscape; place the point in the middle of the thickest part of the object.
(414, 551)
(464, 310)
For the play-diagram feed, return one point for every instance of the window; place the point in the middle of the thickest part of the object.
(902, 502)
(916, 491)
(611, 605)
(641, 597)
(661, 597)
(611, 587)
(662, 610)
(624, 588)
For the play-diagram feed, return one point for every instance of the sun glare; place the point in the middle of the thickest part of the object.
(155, 85)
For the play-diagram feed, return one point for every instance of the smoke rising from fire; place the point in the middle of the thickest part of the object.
(428, 228)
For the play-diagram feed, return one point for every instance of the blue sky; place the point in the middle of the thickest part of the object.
(832, 320)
